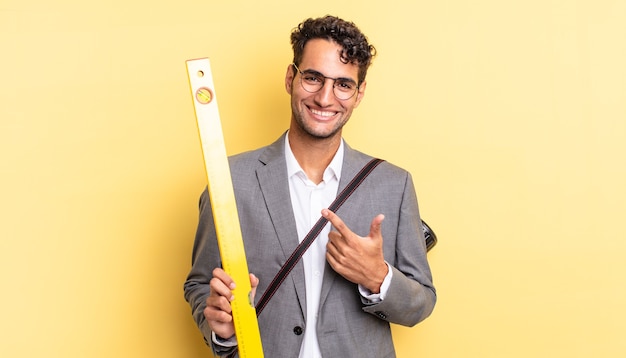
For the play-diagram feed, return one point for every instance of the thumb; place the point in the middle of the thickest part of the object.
(254, 282)
(375, 231)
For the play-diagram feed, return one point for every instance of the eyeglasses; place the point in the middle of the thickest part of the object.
(313, 81)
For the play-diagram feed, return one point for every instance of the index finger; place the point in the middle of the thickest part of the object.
(219, 272)
(336, 221)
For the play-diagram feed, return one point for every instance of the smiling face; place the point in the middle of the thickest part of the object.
(321, 115)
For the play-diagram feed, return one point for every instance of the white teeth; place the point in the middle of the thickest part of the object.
(323, 114)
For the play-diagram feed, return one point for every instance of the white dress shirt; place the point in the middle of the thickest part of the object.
(307, 200)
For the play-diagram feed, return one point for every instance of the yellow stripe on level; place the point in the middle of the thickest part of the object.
(224, 207)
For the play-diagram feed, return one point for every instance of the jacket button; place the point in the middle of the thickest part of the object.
(380, 314)
(297, 330)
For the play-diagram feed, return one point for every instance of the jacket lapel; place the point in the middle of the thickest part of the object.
(274, 186)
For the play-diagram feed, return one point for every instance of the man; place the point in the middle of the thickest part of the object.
(368, 266)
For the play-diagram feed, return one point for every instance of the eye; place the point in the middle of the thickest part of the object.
(312, 78)
(345, 85)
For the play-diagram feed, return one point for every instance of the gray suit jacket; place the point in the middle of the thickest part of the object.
(347, 325)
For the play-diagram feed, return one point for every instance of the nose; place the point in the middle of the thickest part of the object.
(326, 95)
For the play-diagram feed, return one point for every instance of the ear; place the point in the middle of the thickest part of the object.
(289, 78)
(360, 94)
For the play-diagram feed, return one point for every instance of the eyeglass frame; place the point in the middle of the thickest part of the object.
(302, 73)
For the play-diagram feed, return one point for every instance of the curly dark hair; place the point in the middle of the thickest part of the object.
(356, 49)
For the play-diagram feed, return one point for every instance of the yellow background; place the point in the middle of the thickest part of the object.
(511, 115)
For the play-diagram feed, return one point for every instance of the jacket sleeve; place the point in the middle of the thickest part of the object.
(411, 295)
(205, 257)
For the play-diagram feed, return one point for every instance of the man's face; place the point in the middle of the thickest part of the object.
(321, 114)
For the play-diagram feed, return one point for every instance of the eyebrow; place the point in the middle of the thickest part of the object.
(313, 72)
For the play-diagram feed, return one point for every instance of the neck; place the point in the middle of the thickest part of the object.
(314, 154)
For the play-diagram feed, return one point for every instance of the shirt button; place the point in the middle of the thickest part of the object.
(297, 330)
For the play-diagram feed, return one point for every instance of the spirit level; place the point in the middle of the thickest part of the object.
(225, 214)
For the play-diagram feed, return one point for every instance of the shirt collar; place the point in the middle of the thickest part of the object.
(333, 169)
